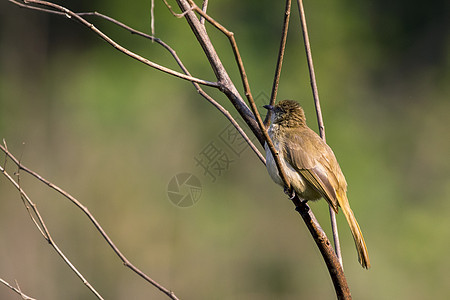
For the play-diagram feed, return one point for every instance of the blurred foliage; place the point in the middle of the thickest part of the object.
(113, 132)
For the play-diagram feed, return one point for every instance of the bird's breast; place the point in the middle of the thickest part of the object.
(294, 178)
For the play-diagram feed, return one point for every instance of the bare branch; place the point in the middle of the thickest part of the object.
(233, 121)
(315, 91)
(234, 46)
(204, 9)
(57, 9)
(251, 117)
(167, 47)
(227, 86)
(40, 223)
(248, 93)
(64, 11)
(17, 290)
(312, 75)
(185, 70)
(334, 267)
(152, 17)
(24, 5)
(322, 241)
(181, 15)
(246, 85)
(276, 80)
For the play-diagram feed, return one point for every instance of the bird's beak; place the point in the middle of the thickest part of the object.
(268, 107)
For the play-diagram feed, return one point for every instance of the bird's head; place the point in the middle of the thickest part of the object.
(287, 113)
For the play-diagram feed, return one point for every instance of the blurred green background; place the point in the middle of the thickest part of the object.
(113, 132)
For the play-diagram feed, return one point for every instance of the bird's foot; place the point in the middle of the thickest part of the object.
(289, 192)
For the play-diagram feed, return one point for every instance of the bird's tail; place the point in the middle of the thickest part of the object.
(363, 255)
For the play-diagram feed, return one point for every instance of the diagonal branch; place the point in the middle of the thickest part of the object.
(329, 256)
(187, 76)
(316, 231)
(246, 85)
(204, 9)
(185, 71)
(60, 10)
(226, 85)
(332, 262)
(234, 46)
(17, 290)
(250, 116)
(41, 225)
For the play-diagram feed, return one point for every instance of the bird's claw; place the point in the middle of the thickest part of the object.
(289, 192)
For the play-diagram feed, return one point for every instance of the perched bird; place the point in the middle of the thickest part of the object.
(310, 165)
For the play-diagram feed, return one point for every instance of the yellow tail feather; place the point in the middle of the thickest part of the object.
(363, 255)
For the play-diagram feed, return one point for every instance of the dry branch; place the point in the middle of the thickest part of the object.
(226, 86)
(315, 91)
(58, 9)
(273, 96)
(261, 127)
(39, 221)
(17, 290)
(185, 71)
(40, 224)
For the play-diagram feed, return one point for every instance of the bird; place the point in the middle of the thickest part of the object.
(310, 165)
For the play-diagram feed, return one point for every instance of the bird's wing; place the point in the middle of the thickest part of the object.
(309, 155)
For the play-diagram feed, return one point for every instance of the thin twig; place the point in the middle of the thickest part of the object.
(232, 40)
(152, 17)
(319, 235)
(276, 80)
(185, 70)
(246, 85)
(180, 15)
(17, 290)
(196, 83)
(40, 224)
(85, 210)
(312, 76)
(204, 9)
(334, 267)
(6, 157)
(60, 10)
(252, 118)
(194, 80)
(226, 84)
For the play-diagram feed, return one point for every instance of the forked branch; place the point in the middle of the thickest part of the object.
(40, 224)
(58, 9)
(261, 127)
(250, 115)
(185, 71)
(16, 290)
(333, 262)
(39, 221)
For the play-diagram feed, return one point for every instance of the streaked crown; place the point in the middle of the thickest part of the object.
(288, 113)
